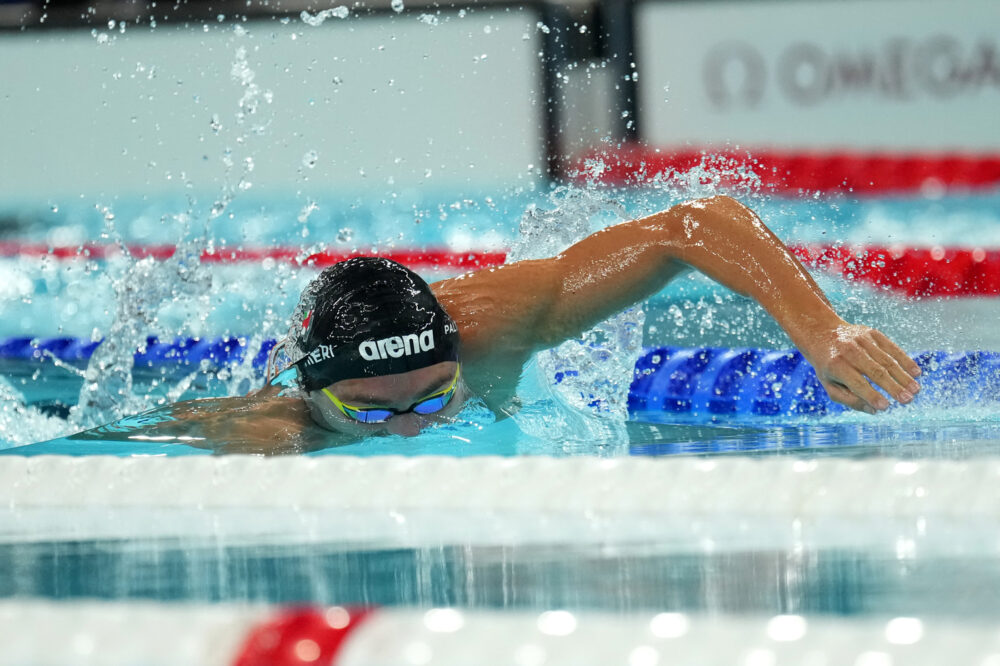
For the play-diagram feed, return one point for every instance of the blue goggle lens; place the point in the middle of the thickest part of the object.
(428, 406)
(370, 415)
(432, 405)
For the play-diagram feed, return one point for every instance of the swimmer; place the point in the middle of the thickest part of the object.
(373, 349)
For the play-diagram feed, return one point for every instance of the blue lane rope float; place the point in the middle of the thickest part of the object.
(703, 382)
(711, 382)
(181, 354)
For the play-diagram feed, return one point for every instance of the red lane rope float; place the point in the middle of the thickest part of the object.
(300, 637)
(912, 271)
(416, 259)
(789, 172)
(915, 272)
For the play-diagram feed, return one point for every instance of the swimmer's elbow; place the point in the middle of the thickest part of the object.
(692, 219)
(720, 205)
(696, 224)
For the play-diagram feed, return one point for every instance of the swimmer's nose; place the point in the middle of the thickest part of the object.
(405, 425)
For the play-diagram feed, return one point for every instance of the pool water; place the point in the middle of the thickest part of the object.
(629, 578)
(843, 559)
(133, 299)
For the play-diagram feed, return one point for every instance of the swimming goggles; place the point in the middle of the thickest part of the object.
(429, 405)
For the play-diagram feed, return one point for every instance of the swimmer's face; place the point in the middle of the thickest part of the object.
(399, 392)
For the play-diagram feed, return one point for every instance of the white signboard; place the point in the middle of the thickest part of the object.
(317, 103)
(866, 74)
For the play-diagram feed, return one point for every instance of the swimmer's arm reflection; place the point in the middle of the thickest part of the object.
(551, 300)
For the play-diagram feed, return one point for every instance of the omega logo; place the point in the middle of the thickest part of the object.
(737, 74)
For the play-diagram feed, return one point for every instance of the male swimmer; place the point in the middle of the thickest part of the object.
(374, 350)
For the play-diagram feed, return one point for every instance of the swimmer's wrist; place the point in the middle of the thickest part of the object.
(815, 332)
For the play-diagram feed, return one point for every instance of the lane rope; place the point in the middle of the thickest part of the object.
(794, 172)
(915, 272)
(701, 382)
(414, 258)
(300, 637)
(126, 632)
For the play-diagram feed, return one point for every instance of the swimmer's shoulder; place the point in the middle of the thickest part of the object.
(496, 311)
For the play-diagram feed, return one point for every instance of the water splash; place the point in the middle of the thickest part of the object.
(251, 121)
(320, 17)
(22, 424)
(143, 289)
(588, 404)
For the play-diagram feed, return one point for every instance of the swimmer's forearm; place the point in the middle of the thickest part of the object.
(728, 242)
(623, 264)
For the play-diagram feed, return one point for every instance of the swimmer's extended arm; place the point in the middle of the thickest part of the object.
(619, 266)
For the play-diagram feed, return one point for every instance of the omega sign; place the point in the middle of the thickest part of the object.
(737, 74)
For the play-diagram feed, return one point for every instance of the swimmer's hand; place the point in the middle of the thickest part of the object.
(851, 356)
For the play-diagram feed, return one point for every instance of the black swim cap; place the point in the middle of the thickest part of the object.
(368, 317)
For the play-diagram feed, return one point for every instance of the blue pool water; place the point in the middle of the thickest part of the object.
(83, 298)
(871, 568)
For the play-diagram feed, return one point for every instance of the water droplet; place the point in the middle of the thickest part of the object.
(310, 158)
(429, 19)
(215, 123)
(345, 235)
(340, 12)
(544, 28)
(487, 29)
(397, 6)
(306, 211)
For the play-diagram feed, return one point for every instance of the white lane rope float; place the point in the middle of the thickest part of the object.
(718, 503)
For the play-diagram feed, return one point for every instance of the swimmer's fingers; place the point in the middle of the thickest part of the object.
(886, 371)
(854, 381)
(900, 356)
(858, 355)
(840, 394)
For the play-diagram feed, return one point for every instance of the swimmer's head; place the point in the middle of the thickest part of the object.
(369, 317)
